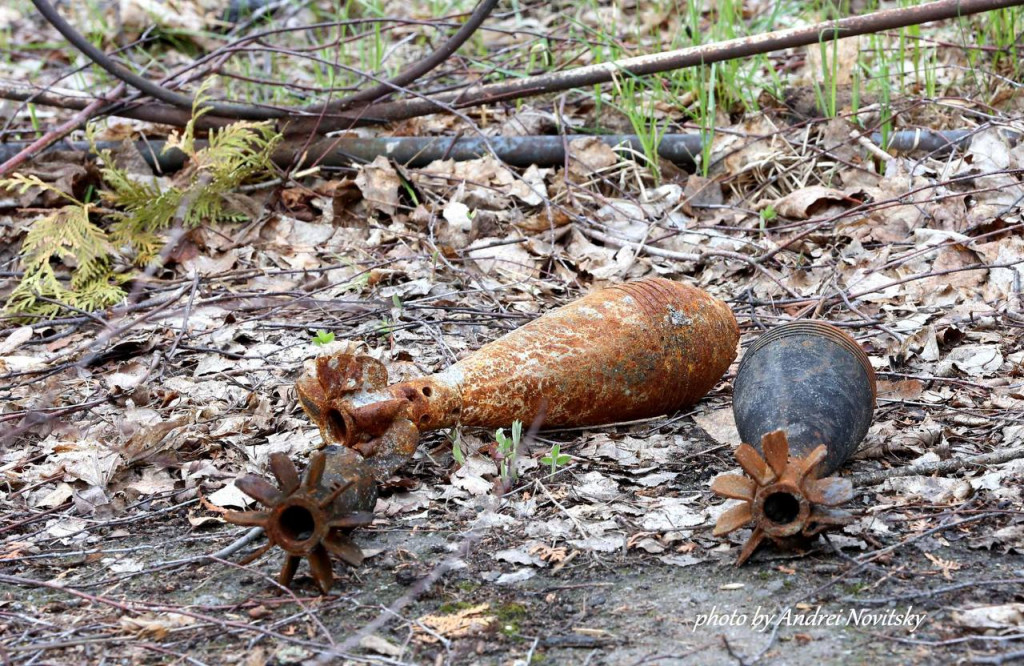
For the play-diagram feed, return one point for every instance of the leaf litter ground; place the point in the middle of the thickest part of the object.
(131, 425)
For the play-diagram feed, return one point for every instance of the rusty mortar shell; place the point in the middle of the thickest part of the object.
(803, 399)
(312, 517)
(629, 351)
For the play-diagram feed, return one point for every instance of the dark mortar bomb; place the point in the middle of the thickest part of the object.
(812, 381)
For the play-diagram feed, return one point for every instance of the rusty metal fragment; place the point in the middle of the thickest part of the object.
(312, 517)
(625, 352)
(630, 351)
(804, 396)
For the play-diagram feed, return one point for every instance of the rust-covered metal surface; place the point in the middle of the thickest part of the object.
(629, 351)
(312, 517)
(803, 399)
(782, 497)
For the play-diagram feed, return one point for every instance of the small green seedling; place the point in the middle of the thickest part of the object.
(457, 453)
(555, 457)
(507, 447)
(323, 337)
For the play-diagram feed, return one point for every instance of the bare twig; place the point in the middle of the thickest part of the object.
(60, 131)
(324, 118)
(671, 60)
(431, 62)
(939, 467)
(69, 99)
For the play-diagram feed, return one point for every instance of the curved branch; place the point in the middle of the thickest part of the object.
(248, 111)
(644, 65)
(242, 111)
(429, 63)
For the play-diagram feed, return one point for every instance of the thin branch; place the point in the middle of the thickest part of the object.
(939, 467)
(150, 112)
(743, 47)
(431, 62)
(60, 131)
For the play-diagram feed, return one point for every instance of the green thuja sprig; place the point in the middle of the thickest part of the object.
(200, 192)
(69, 235)
(137, 212)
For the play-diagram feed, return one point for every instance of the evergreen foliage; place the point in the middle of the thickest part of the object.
(85, 237)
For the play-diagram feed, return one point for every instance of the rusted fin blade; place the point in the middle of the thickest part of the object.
(733, 519)
(343, 374)
(312, 397)
(750, 546)
(375, 375)
(752, 463)
(285, 473)
(259, 489)
(375, 418)
(832, 491)
(776, 451)
(734, 486)
(342, 547)
(809, 463)
(355, 519)
(247, 518)
(323, 572)
(288, 569)
(315, 471)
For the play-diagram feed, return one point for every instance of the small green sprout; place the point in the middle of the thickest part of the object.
(555, 457)
(507, 447)
(457, 453)
(323, 337)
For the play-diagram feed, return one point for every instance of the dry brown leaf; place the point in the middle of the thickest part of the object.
(1005, 616)
(945, 566)
(907, 389)
(468, 622)
(379, 183)
(832, 62)
(702, 192)
(549, 554)
(805, 203)
(589, 155)
(720, 425)
(155, 626)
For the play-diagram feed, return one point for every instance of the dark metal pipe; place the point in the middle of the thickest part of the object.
(520, 151)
